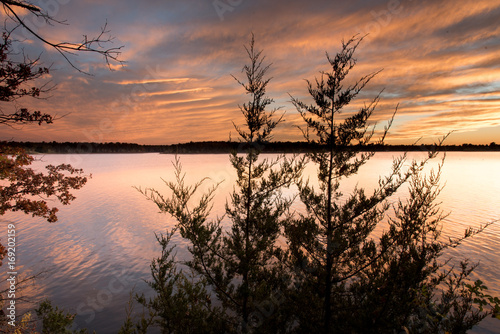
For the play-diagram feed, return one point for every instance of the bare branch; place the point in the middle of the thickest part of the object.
(91, 45)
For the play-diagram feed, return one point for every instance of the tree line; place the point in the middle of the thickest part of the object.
(224, 147)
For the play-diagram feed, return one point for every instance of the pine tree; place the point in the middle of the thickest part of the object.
(334, 275)
(242, 265)
(348, 280)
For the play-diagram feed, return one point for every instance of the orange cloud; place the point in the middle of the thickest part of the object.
(439, 60)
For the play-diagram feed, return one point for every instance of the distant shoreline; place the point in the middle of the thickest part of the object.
(223, 147)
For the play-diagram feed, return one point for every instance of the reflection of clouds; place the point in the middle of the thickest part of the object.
(438, 58)
(72, 258)
(109, 229)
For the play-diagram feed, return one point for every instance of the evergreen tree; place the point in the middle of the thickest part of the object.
(334, 275)
(242, 265)
(182, 304)
(347, 280)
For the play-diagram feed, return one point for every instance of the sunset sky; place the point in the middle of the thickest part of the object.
(440, 61)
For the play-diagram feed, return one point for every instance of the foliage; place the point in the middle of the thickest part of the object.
(333, 236)
(56, 321)
(15, 75)
(335, 275)
(24, 190)
(181, 305)
(25, 325)
(52, 321)
(350, 281)
(241, 265)
(14, 79)
(129, 325)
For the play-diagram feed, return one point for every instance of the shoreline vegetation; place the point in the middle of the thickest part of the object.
(222, 147)
(275, 270)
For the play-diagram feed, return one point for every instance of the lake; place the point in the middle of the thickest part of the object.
(102, 245)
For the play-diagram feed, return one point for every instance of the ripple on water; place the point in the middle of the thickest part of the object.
(103, 244)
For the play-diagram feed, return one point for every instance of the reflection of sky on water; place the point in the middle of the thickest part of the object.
(103, 243)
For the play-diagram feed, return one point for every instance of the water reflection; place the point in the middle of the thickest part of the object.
(103, 243)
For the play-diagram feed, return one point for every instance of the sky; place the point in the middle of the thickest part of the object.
(440, 63)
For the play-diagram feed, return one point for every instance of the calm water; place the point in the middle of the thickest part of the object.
(102, 245)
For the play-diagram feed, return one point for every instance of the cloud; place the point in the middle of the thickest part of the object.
(178, 91)
(153, 81)
(440, 64)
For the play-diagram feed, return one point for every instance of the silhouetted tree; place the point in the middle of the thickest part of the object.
(182, 303)
(94, 45)
(335, 275)
(14, 84)
(15, 75)
(348, 280)
(242, 266)
(55, 320)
